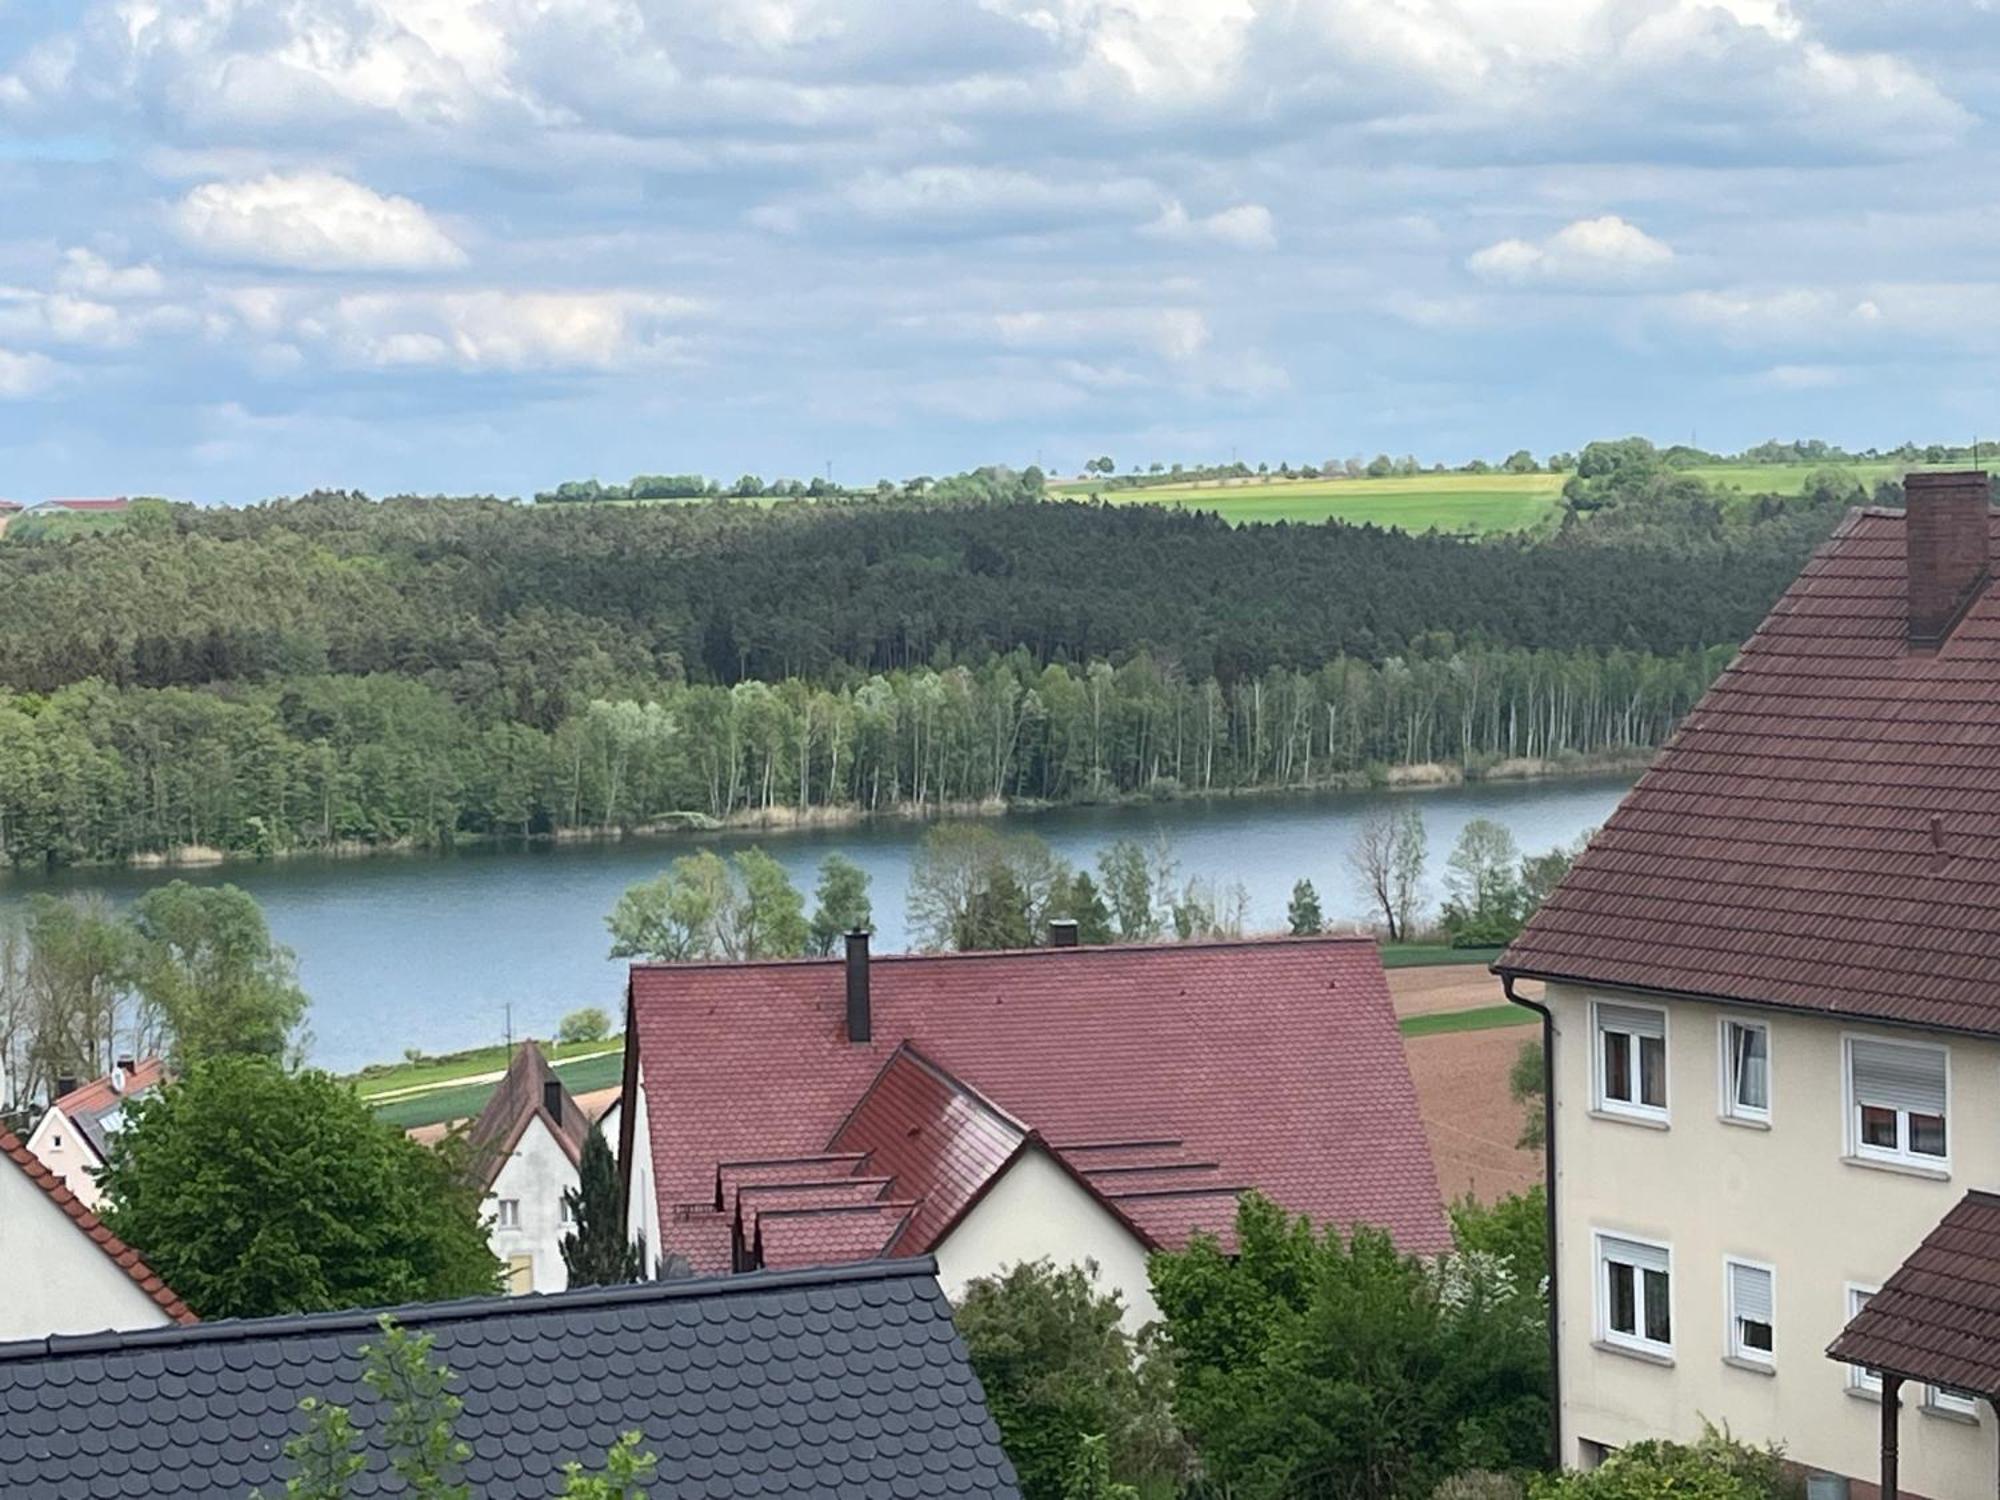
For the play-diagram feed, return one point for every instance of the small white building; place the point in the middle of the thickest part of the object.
(527, 1145)
(66, 1272)
(73, 1137)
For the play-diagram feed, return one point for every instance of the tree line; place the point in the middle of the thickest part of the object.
(94, 772)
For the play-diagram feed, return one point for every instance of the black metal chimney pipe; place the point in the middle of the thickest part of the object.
(1062, 932)
(860, 1025)
(552, 1098)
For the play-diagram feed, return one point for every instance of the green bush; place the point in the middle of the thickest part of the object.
(587, 1025)
(1479, 1484)
(1717, 1467)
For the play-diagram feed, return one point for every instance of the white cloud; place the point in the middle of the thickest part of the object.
(1588, 252)
(496, 330)
(961, 194)
(1246, 226)
(313, 221)
(85, 271)
(24, 374)
(1802, 377)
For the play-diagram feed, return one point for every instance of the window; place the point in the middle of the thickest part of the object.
(1898, 1093)
(520, 1275)
(1746, 1070)
(1632, 1060)
(510, 1213)
(1950, 1401)
(56, 1141)
(1860, 1377)
(1752, 1292)
(1635, 1282)
(568, 1213)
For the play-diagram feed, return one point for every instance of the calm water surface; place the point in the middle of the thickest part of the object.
(431, 951)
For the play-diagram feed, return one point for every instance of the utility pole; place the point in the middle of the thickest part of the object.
(510, 1029)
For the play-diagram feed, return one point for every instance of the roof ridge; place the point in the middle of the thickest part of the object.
(1259, 940)
(463, 1309)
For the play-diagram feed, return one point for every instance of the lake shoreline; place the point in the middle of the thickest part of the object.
(1421, 777)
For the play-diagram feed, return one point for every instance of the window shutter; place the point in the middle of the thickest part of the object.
(1643, 1257)
(1892, 1077)
(1750, 1293)
(1633, 1020)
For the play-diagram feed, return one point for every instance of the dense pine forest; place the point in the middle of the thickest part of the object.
(331, 670)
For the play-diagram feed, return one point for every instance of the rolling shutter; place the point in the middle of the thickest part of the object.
(1631, 1253)
(1750, 1293)
(1892, 1077)
(1633, 1020)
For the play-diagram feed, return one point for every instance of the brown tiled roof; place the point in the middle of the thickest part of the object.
(122, 1255)
(517, 1100)
(1823, 832)
(1938, 1318)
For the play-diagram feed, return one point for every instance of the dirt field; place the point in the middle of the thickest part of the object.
(1426, 988)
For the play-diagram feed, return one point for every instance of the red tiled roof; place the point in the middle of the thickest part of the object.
(8, 507)
(122, 1255)
(1278, 1061)
(114, 504)
(1938, 1318)
(87, 1106)
(788, 1240)
(1823, 831)
(940, 1140)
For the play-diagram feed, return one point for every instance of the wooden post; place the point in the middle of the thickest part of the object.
(1892, 1386)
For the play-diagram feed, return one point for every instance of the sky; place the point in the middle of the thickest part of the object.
(257, 247)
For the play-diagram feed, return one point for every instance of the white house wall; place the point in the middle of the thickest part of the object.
(58, 1145)
(535, 1176)
(1037, 1211)
(57, 1280)
(1781, 1195)
(642, 1208)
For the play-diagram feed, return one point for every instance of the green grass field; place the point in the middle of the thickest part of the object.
(436, 1105)
(1461, 504)
(1486, 1018)
(1458, 503)
(389, 1078)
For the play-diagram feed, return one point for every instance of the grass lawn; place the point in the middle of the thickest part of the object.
(1418, 955)
(1786, 479)
(387, 1078)
(1485, 1018)
(458, 1103)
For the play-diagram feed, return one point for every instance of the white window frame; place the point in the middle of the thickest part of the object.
(508, 1215)
(1732, 1334)
(1631, 1109)
(1733, 1110)
(1943, 1401)
(563, 1214)
(1600, 1275)
(1901, 1155)
(1860, 1379)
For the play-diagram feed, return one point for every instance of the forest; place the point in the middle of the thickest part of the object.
(333, 670)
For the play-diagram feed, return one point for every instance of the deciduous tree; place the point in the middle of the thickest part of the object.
(206, 964)
(841, 902)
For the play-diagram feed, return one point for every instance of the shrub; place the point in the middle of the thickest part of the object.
(1479, 1484)
(587, 1025)
(1716, 1467)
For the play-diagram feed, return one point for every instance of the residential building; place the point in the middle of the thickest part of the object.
(840, 1382)
(8, 510)
(73, 1137)
(1773, 995)
(67, 1273)
(990, 1108)
(86, 507)
(525, 1149)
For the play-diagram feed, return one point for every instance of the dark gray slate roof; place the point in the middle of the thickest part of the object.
(848, 1382)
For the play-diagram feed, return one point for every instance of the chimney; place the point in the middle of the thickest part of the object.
(552, 1098)
(128, 1063)
(859, 1022)
(65, 1086)
(1062, 932)
(1950, 552)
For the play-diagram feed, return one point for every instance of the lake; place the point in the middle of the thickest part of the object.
(444, 951)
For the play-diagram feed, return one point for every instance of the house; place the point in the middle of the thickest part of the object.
(841, 1382)
(1772, 996)
(66, 1272)
(989, 1108)
(524, 1151)
(86, 507)
(8, 510)
(72, 1139)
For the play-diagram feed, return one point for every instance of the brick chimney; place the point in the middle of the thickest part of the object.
(1950, 551)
